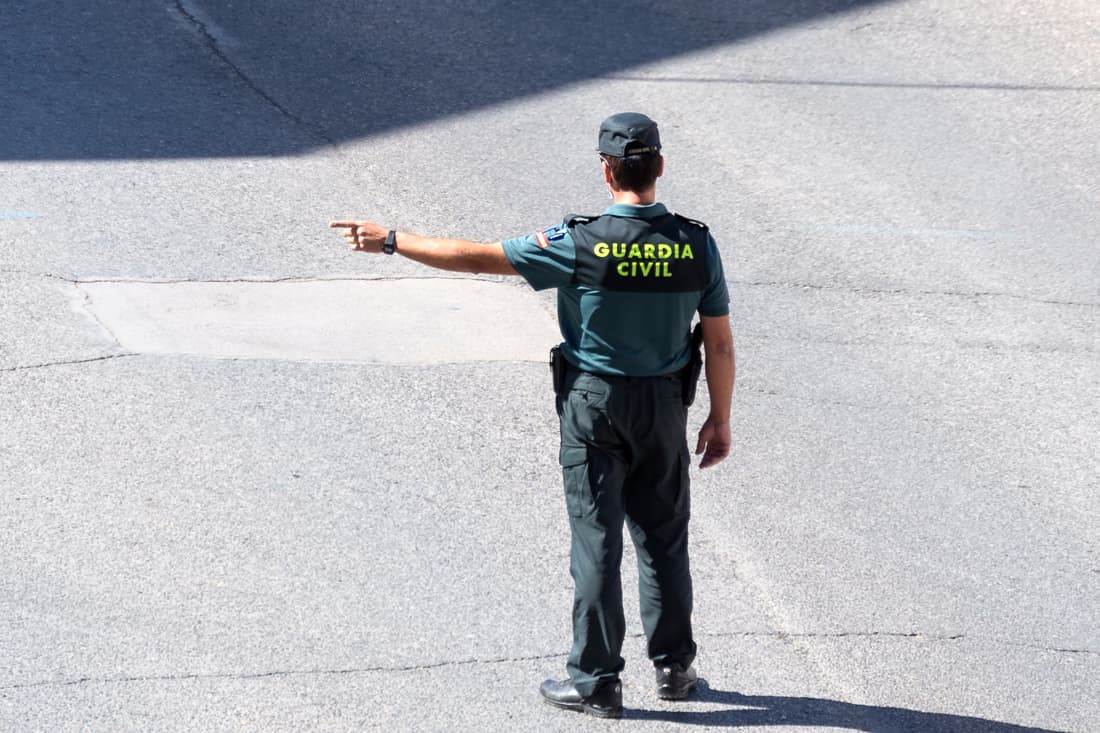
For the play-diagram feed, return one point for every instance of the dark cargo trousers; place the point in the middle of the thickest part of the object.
(624, 455)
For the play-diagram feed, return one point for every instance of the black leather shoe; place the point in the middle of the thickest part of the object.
(605, 702)
(674, 682)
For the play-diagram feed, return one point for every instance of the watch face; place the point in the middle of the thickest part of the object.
(390, 245)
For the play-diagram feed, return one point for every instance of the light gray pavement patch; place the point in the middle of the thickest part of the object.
(370, 321)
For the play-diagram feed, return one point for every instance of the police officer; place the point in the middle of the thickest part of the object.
(629, 283)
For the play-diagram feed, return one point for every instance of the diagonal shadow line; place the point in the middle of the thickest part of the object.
(201, 78)
(775, 710)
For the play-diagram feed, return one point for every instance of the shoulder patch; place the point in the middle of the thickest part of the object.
(546, 236)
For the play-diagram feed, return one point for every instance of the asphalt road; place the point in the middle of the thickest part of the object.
(366, 532)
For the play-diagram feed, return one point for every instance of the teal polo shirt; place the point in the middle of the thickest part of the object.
(616, 332)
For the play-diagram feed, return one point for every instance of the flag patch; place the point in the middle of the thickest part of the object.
(546, 236)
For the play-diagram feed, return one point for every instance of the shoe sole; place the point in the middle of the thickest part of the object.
(582, 708)
(673, 693)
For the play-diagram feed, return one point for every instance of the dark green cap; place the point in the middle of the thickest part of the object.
(629, 133)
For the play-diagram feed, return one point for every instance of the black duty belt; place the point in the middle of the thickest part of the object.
(624, 377)
(688, 376)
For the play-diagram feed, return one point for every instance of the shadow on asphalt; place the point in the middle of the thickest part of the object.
(764, 710)
(204, 78)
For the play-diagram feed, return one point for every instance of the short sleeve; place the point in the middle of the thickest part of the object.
(716, 297)
(545, 259)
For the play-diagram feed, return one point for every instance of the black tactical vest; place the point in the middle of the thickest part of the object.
(665, 254)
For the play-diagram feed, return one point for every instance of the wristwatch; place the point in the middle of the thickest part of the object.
(390, 245)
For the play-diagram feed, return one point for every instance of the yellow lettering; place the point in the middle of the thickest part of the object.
(648, 259)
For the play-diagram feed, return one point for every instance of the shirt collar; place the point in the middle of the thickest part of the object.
(649, 211)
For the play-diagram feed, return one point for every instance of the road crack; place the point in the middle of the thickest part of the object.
(212, 44)
(280, 673)
(902, 635)
(46, 275)
(66, 362)
(793, 285)
(473, 661)
(288, 279)
(962, 86)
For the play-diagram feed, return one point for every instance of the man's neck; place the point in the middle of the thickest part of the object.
(634, 198)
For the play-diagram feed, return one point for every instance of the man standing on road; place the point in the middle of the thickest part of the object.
(629, 283)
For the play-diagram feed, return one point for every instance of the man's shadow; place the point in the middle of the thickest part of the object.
(764, 710)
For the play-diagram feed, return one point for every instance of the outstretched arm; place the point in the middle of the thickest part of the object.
(714, 437)
(457, 255)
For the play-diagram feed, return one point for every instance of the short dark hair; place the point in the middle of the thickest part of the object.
(635, 173)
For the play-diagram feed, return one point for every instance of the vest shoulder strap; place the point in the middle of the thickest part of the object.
(574, 219)
(692, 222)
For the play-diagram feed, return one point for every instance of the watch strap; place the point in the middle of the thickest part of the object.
(390, 245)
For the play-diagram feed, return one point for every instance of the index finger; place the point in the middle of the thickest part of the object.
(342, 224)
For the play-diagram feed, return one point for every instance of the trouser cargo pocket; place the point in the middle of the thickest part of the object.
(578, 491)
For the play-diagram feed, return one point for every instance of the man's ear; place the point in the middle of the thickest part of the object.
(661, 167)
(607, 177)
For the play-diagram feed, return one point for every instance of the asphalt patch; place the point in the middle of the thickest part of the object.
(368, 321)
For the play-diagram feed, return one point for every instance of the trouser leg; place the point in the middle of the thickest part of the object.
(593, 470)
(665, 590)
(658, 507)
(598, 620)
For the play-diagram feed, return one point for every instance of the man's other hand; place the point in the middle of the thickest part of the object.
(714, 442)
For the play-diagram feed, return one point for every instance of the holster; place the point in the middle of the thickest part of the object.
(691, 372)
(558, 367)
